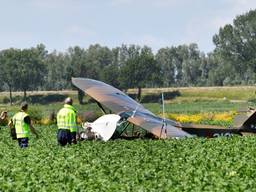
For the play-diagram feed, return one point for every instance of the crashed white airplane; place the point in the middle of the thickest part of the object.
(125, 109)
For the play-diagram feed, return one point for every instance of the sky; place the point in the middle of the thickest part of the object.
(59, 24)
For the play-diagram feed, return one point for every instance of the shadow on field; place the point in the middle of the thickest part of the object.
(38, 99)
(156, 97)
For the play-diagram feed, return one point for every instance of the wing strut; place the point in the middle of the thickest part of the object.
(164, 121)
(101, 107)
(125, 127)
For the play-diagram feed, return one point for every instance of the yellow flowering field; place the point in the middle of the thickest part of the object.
(212, 118)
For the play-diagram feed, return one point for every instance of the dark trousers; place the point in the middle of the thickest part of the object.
(13, 133)
(64, 137)
(73, 137)
(23, 142)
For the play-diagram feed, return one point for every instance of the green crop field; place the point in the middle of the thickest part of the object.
(222, 164)
(194, 164)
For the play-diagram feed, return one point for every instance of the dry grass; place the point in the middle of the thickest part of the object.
(236, 93)
(20, 93)
(230, 93)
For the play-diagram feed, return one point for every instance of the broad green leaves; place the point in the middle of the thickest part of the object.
(222, 164)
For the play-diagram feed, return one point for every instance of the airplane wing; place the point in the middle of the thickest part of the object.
(156, 125)
(121, 104)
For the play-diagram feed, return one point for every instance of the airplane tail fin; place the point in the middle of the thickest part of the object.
(246, 119)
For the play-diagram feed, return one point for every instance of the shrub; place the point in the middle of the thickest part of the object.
(156, 97)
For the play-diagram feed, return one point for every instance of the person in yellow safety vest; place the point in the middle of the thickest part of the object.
(23, 125)
(67, 124)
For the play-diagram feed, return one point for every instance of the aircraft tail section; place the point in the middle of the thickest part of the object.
(246, 120)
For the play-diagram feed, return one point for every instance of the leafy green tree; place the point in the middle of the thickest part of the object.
(56, 78)
(181, 66)
(99, 62)
(9, 73)
(76, 67)
(236, 45)
(111, 72)
(140, 71)
(95, 62)
(164, 58)
(191, 65)
(31, 69)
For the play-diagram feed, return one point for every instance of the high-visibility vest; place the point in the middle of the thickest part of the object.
(66, 118)
(21, 128)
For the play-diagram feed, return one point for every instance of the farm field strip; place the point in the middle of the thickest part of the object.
(222, 164)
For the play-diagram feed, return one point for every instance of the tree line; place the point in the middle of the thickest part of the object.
(232, 62)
